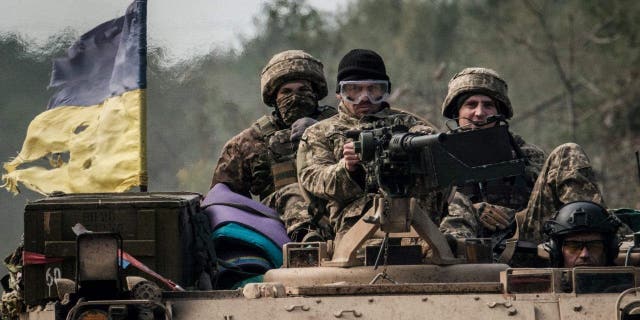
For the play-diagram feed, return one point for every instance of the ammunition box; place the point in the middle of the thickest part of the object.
(155, 227)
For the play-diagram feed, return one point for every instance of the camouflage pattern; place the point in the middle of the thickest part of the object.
(296, 105)
(565, 176)
(282, 153)
(481, 81)
(244, 163)
(321, 168)
(291, 65)
(247, 160)
(293, 207)
(12, 300)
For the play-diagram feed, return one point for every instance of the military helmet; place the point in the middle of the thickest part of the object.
(480, 81)
(581, 216)
(291, 65)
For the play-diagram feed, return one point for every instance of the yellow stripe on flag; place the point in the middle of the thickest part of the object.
(103, 143)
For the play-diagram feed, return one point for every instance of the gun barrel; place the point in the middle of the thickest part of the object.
(409, 142)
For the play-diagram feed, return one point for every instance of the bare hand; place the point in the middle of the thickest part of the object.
(351, 159)
(493, 217)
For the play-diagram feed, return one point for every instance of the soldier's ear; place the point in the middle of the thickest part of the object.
(338, 96)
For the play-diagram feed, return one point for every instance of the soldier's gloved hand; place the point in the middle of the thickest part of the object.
(494, 217)
(422, 129)
(298, 127)
(280, 147)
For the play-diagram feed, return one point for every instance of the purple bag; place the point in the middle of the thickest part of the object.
(223, 206)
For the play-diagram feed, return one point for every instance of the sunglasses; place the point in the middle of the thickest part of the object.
(577, 246)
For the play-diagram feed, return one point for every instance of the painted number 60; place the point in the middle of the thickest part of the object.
(52, 274)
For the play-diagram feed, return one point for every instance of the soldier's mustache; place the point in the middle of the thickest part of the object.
(488, 120)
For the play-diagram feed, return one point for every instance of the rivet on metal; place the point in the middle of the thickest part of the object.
(512, 312)
(293, 307)
(491, 304)
(370, 300)
(318, 301)
(476, 298)
(229, 317)
(577, 308)
(425, 299)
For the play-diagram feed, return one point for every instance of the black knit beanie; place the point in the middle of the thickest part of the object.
(361, 64)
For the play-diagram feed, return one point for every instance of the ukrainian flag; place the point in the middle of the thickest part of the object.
(93, 131)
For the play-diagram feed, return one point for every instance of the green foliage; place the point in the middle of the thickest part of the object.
(283, 25)
(546, 50)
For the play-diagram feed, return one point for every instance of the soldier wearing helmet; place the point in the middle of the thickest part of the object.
(476, 82)
(260, 161)
(581, 234)
(328, 166)
(488, 208)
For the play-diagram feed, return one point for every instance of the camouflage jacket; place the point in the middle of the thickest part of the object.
(513, 193)
(321, 169)
(245, 161)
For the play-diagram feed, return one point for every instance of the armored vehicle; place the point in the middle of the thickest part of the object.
(150, 256)
(316, 281)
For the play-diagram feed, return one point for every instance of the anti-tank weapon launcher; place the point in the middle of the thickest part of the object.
(402, 166)
(405, 164)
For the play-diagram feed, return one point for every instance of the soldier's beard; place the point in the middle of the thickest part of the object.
(294, 106)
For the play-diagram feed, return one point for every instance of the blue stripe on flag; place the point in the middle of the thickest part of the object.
(105, 62)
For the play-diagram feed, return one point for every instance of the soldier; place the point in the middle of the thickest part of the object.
(260, 161)
(328, 166)
(581, 234)
(482, 209)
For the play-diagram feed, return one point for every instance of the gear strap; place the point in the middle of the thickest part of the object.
(512, 243)
(266, 127)
(326, 112)
(284, 173)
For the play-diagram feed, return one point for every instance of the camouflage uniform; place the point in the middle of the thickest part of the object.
(260, 161)
(566, 175)
(321, 168)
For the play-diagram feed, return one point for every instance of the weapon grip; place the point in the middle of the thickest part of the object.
(352, 134)
(357, 146)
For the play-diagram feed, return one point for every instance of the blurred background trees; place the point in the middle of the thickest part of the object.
(572, 67)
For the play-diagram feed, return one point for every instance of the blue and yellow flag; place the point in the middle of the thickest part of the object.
(93, 130)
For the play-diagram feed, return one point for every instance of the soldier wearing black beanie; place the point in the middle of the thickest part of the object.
(329, 169)
(361, 64)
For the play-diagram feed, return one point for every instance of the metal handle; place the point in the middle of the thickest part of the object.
(293, 307)
(355, 313)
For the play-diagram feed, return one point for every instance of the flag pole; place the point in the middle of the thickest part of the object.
(142, 52)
